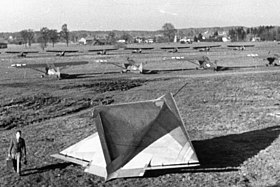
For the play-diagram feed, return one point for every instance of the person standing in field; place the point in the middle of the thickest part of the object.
(17, 151)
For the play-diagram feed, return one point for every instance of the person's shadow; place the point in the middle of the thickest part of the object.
(227, 153)
(42, 169)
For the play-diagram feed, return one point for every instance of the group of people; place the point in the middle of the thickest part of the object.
(17, 152)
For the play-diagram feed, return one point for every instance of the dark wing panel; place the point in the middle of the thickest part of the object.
(13, 52)
(200, 47)
(96, 50)
(63, 64)
(167, 47)
(179, 47)
(206, 46)
(66, 51)
(137, 48)
(249, 45)
(111, 49)
(54, 51)
(240, 45)
(235, 45)
(147, 48)
(183, 47)
(30, 51)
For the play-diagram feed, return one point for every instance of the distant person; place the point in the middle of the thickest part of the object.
(17, 151)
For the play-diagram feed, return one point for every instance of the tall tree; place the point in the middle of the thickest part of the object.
(181, 34)
(65, 34)
(30, 36)
(44, 37)
(169, 31)
(216, 33)
(127, 37)
(233, 35)
(53, 36)
(200, 37)
(111, 38)
(24, 36)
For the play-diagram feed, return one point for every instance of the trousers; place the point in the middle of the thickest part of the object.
(17, 162)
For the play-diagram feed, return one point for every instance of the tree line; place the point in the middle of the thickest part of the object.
(45, 35)
(168, 31)
(264, 33)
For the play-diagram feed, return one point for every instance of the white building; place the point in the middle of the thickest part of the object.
(82, 41)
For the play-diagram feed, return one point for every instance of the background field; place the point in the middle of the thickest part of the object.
(232, 116)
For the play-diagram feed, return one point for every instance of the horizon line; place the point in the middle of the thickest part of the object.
(139, 30)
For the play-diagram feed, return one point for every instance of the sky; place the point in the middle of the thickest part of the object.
(94, 15)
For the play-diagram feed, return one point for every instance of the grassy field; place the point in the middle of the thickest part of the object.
(232, 116)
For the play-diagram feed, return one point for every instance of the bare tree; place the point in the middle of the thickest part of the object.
(53, 36)
(169, 31)
(65, 34)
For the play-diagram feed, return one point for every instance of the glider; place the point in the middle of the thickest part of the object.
(138, 49)
(174, 49)
(240, 47)
(102, 51)
(273, 59)
(128, 66)
(50, 69)
(205, 47)
(62, 52)
(202, 62)
(133, 138)
(22, 54)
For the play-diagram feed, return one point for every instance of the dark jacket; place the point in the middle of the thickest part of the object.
(17, 147)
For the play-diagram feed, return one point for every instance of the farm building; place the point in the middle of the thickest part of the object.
(89, 40)
(82, 41)
(95, 41)
(3, 43)
(100, 42)
(121, 41)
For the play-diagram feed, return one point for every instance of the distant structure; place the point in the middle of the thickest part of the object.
(225, 39)
(90, 40)
(186, 40)
(82, 41)
(3, 43)
(144, 40)
(99, 41)
(256, 39)
(121, 41)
